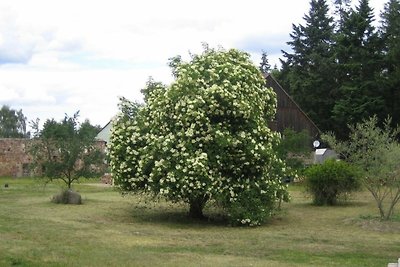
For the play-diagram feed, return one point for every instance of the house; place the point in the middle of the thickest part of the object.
(288, 113)
(323, 154)
(105, 133)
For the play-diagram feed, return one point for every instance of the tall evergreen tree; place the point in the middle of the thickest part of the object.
(358, 57)
(307, 71)
(342, 11)
(390, 35)
(265, 67)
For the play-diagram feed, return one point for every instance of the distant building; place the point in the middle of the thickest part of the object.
(323, 154)
(105, 133)
(288, 113)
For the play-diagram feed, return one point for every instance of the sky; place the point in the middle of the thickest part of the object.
(58, 57)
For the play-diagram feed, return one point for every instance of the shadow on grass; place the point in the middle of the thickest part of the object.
(339, 204)
(175, 217)
(16, 261)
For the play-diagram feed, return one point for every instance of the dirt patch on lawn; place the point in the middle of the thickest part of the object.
(375, 224)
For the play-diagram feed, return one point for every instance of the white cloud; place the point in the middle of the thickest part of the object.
(14, 47)
(51, 94)
(7, 94)
(58, 57)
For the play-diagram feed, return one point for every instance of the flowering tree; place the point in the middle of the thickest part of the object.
(204, 137)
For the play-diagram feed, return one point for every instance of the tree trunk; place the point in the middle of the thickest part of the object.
(196, 207)
(381, 209)
(69, 183)
(392, 205)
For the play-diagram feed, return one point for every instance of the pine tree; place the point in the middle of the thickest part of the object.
(342, 11)
(358, 56)
(390, 35)
(307, 71)
(265, 67)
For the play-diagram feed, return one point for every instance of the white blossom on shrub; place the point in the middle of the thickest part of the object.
(204, 137)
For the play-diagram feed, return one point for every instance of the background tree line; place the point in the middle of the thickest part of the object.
(342, 68)
(12, 123)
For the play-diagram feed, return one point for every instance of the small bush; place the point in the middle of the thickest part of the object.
(249, 210)
(254, 206)
(327, 181)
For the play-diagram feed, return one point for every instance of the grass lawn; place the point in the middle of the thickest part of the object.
(110, 230)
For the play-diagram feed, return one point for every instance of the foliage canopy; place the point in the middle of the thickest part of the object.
(330, 180)
(66, 150)
(376, 152)
(12, 123)
(204, 137)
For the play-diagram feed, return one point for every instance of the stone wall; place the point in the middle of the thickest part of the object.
(14, 160)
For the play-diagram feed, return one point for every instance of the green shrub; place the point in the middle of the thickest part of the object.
(327, 181)
(298, 143)
(295, 149)
(254, 205)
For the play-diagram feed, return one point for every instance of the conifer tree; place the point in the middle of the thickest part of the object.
(265, 67)
(307, 71)
(342, 11)
(358, 56)
(390, 35)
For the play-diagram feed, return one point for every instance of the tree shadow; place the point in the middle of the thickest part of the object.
(339, 204)
(175, 217)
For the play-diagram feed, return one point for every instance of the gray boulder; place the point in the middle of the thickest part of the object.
(68, 196)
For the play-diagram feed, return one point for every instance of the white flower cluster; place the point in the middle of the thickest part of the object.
(206, 134)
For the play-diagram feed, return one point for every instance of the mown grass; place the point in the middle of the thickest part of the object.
(110, 230)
